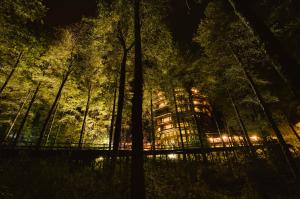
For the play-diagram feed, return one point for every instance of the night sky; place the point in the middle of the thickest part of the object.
(183, 18)
(65, 12)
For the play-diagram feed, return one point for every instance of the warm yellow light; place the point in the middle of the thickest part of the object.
(196, 102)
(254, 138)
(225, 138)
(298, 126)
(172, 156)
(99, 159)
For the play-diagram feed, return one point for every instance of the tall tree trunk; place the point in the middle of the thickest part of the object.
(268, 114)
(52, 123)
(200, 132)
(11, 73)
(16, 117)
(85, 116)
(19, 132)
(56, 135)
(294, 130)
(218, 129)
(242, 125)
(178, 123)
(112, 121)
(152, 123)
(42, 133)
(286, 66)
(117, 134)
(137, 165)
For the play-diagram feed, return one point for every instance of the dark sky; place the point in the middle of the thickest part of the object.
(64, 12)
(183, 18)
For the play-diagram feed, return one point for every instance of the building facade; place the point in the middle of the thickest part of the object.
(177, 120)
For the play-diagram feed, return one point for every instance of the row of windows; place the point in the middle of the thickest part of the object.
(176, 140)
(176, 134)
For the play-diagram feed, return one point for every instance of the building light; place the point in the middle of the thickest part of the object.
(254, 138)
(225, 138)
(99, 159)
(166, 119)
(162, 104)
(298, 127)
(168, 126)
(172, 156)
(196, 102)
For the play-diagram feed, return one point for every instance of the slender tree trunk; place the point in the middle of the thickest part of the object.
(52, 123)
(112, 121)
(152, 124)
(231, 139)
(56, 135)
(242, 125)
(219, 131)
(268, 114)
(178, 122)
(85, 116)
(200, 133)
(19, 132)
(117, 134)
(137, 165)
(11, 73)
(16, 117)
(286, 66)
(42, 133)
(294, 130)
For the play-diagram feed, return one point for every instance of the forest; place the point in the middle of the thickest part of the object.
(156, 99)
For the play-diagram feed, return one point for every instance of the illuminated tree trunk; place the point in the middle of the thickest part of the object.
(200, 133)
(152, 123)
(284, 147)
(294, 131)
(268, 114)
(218, 129)
(242, 125)
(42, 133)
(117, 134)
(56, 135)
(85, 116)
(11, 73)
(178, 123)
(286, 66)
(16, 117)
(137, 164)
(52, 123)
(232, 141)
(111, 130)
(19, 132)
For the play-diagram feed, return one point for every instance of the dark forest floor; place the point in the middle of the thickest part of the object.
(27, 178)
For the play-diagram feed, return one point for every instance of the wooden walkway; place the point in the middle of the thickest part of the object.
(103, 150)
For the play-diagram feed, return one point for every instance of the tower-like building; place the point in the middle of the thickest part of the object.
(188, 112)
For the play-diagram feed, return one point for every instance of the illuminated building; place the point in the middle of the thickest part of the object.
(167, 121)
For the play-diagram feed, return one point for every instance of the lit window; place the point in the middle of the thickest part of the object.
(196, 102)
(166, 119)
(197, 109)
(162, 104)
(169, 126)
